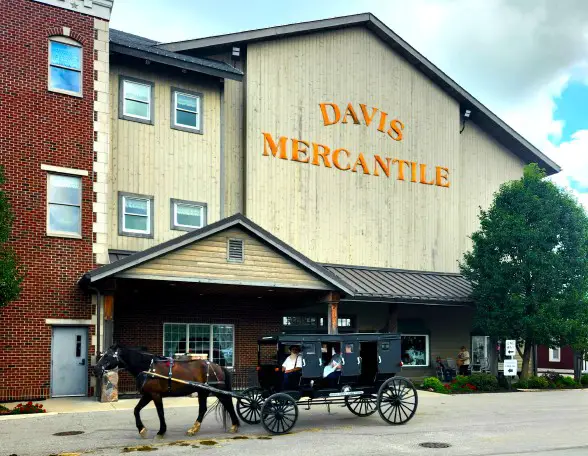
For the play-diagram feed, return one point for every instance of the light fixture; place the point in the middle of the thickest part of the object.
(236, 52)
(467, 113)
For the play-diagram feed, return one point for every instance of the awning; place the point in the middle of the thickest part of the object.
(398, 285)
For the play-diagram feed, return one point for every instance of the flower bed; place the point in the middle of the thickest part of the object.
(22, 409)
(476, 382)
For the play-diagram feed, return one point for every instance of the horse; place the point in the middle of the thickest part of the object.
(138, 361)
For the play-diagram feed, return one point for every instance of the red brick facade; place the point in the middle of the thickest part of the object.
(41, 127)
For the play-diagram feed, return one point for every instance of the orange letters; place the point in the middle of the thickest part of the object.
(297, 150)
(336, 159)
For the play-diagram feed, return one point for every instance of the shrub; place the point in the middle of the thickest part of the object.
(484, 382)
(538, 382)
(461, 384)
(435, 384)
(584, 380)
(521, 384)
(568, 382)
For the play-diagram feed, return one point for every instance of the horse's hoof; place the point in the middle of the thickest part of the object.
(194, 429)
(234, 429)
(189, 433)
(143, 433)
(159, 436)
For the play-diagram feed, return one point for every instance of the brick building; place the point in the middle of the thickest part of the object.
(233, 187)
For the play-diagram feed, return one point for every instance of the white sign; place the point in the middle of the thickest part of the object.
(510, 347)
(510, 367)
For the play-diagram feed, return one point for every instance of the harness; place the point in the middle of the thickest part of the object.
(170, 364)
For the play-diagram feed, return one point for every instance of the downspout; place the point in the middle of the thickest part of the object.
(98, 318)
(222, 150)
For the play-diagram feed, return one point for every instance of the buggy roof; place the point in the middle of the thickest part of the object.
(298, 338)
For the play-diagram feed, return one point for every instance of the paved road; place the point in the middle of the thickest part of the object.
(523, 424)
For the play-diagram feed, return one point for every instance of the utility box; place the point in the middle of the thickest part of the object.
(109, 392)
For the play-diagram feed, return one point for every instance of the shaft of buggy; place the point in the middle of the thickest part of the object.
(196, 385)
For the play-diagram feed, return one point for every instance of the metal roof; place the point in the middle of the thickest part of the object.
(480, 114)
(402, 285)
(137, 46)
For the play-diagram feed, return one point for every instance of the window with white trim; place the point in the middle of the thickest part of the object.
(186, 110)
(64, 205)
(555, 355)
(217, 341)
(136, 100)
(414, 350)
(65, 66)
(135, 215)
(186, 215)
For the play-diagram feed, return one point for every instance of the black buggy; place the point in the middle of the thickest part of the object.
(367, 382)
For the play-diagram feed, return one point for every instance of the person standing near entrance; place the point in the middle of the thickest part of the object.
(463, 360)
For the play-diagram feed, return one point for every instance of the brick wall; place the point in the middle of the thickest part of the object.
(139, 319)
(41, 127)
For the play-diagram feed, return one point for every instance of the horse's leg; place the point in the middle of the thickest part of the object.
(227, 402)
(158, 401)
(202, 399)
(145, 399)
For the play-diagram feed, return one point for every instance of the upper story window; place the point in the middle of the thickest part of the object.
(187, 215)
(135, 215)
(64, 205)
(186, 110)
(65, 66)
(136, 100)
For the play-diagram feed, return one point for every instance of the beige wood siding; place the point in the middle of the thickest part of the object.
(351, 218)
(206, 261)
(233, 150)
(160, 161)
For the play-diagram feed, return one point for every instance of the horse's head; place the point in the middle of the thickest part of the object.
(108, 361)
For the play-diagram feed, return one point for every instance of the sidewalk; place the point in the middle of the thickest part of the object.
(90, 404)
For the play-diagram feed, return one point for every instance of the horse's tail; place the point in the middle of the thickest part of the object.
(219, 409)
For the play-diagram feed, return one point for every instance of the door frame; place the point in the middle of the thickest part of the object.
(74, 324)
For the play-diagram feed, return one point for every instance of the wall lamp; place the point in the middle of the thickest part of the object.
(466, 116)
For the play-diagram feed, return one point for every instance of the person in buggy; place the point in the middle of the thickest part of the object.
(292, 369)
(332, 371)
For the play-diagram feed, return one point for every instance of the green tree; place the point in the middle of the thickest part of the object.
(11, 275)
(529, 266)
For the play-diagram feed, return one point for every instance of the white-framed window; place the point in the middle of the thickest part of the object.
(136, 100)
(414, 350)
(187, 215)
(555, 355)
(186, 110)
(64, 205)
(217, 341)
(65, 66)
(135, 215)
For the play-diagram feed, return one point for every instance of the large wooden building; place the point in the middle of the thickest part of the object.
(321, 177)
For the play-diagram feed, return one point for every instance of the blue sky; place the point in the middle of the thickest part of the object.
(527, 60)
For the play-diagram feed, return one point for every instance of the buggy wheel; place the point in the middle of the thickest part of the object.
(397, 400)
(279, 413)
(362, 405)
(249, 406)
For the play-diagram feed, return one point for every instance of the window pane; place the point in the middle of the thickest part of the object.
(186, 118)
(64, 189)
(222, 345)
(136, 206)
(188, 215)
(414, 350)
(136, 91)
(65, 79)
(200, 339)
(186, 102)
(64, 219)
(136, 222)
(136, 108)
(174, 339)
(66, 55)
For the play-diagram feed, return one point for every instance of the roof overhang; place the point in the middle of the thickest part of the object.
(481, 115)
(169, 61)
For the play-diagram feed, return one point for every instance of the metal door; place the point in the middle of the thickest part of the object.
(69, 369)
(389, 356)
(311, 360)
(351, 362)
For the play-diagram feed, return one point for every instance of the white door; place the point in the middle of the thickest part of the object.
(69, 367)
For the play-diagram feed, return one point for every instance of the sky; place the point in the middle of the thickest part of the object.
(526, 60)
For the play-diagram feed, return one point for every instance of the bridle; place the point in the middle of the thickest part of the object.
(120, 363)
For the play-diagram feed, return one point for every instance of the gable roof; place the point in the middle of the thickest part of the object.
(238, 220)
(144, 48)
(480, 114)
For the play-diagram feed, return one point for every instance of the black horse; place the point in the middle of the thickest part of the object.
(137, 361)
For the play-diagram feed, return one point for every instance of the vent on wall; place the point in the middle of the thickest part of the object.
(235, 250)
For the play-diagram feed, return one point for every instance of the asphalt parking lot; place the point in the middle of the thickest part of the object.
(543, 423)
